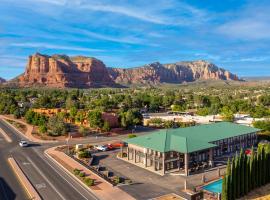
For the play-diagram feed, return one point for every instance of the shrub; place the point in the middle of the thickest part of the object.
(76, 171)
(84, 154)
(117, 179)
(89, 181)
(81, 174)
(131, 136)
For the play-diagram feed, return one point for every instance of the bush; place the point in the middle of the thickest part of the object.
(131, 136)
(89, 181)
(82, 174)
(76, 171)
(117, 179)
(84, 154)
(42, 129)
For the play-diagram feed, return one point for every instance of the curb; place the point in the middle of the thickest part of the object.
(24, 135)
(19, 132)
(69, 173)
(30, 190)
(7, 138)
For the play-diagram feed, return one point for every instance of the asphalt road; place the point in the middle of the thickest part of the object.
(50, 181)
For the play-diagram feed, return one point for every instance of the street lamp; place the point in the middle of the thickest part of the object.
(68, 142)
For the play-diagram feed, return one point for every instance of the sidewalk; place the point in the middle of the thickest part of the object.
(28, 133)
(101, 189)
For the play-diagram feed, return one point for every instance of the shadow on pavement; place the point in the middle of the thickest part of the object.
(33, 145)
(6, 191)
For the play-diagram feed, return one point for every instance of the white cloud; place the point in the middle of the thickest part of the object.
(168, 12)
(127, 11)
(246, 29)
(249, 23)
(123, 39)
(52, 46)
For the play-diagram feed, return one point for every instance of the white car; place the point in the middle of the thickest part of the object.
(101, 148)
(23, 143)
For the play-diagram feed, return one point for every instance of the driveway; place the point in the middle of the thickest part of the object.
(146, 185)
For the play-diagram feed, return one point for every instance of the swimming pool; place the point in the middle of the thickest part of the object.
(215, 187)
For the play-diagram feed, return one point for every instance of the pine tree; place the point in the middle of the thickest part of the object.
(242, 173)
(255, 173)
(246, 175)
(233, 185)
(224, 195)
(237, 177)
(268, 164)
(259, 168)
(228, 181)
(264, 173)
(251, 171)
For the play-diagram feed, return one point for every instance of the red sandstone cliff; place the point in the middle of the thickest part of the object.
(170, 73)
(63, 71)
(85, 72)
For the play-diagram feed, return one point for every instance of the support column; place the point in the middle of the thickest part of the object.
(121, 152)
(135, 156)
(145, 159)
(163, 163)
(211, 157)
(127, 153)
(154, 160)
(186, 163)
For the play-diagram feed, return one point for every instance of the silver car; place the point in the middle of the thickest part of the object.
(23, 143)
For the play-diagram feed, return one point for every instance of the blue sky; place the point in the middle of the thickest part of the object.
(234, 34)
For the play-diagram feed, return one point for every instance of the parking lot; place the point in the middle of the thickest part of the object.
(147, 185)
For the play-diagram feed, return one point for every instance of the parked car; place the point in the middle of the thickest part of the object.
(23, 143)
(110, 147)
(119, 144)
(101, 148)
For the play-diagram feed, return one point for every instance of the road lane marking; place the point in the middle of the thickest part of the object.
(5, 135)
(40, 185)
(32, 193)
(26, 163)
(79, 184)
(46, 179)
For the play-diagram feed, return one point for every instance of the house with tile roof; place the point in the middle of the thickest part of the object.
(190, 149)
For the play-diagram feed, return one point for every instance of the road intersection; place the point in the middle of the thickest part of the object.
(49, 180)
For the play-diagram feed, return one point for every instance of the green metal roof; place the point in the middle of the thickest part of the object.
(190, 139)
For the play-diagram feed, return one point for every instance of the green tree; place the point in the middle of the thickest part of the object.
(106, 126)
(95, 119)
(169, 124)
(57, 126)
(227, 114)
(73, 113)
(224, 194)
(233, 179)
(228, 180)
(242, 173)
(42, 129)
(251, 170)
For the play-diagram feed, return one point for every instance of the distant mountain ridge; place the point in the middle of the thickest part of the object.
(62, 71)
(2, 80)
(178, 72)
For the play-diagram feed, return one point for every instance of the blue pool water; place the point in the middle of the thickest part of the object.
(215, 187)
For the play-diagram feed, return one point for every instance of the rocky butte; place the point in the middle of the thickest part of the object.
(171, 73)
(85, 72)
(63, 71)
